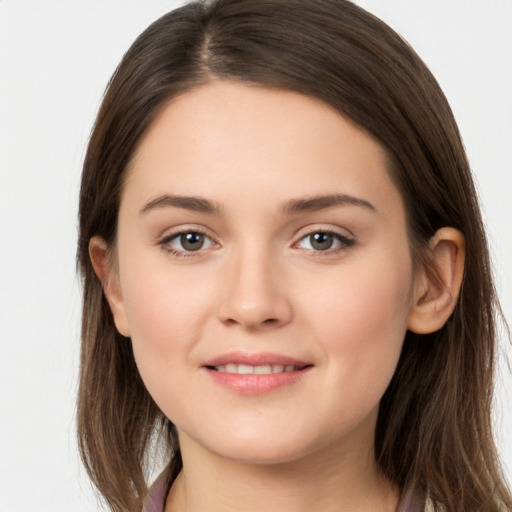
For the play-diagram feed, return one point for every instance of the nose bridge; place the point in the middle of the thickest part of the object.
(254, 295)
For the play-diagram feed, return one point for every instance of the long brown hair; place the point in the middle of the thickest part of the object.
(434, 431)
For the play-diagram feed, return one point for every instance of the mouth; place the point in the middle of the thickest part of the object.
(254, 374)
(247, 369)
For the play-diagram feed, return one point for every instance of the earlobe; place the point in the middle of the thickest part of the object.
(438, 285)
(108, 275)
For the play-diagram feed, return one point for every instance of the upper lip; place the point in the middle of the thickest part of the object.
(255, 359)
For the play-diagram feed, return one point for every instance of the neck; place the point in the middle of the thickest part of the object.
(328, 480)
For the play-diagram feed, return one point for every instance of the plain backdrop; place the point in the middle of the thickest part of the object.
(56, 57)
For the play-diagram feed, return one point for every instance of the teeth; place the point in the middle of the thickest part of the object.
(267, 369)
(263, 370)
(245, 368)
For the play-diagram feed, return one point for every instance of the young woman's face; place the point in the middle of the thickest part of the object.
(265, 277)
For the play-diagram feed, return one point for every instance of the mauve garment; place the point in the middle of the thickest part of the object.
(155, 500)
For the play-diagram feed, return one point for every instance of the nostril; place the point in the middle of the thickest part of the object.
(253, 324)
(254, 312)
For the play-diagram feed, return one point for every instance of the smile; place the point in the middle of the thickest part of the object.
(255, 374)
(245, 369)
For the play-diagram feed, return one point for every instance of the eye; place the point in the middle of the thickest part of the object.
(185, 242)
(323, 241)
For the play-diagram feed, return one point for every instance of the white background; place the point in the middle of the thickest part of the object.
(56, 57)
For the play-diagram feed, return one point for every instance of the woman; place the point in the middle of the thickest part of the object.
(285, 272)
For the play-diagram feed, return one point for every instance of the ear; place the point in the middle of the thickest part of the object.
(438, 284)
(109, 277)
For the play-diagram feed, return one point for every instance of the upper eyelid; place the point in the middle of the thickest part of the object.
(172, 236)
(309, 230)
(333, 233)
(170, 233)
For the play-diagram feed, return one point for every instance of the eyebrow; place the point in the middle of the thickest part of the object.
(196, 204)
(317, 203)
(291, 207)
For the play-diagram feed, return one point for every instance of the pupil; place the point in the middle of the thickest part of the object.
(192, 241)
(321, 241)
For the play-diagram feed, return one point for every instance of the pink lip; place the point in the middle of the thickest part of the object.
(255, 359)
(255, 384)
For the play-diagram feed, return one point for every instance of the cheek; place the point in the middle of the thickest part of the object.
(161, 300)
(361, 323)
(167, 314)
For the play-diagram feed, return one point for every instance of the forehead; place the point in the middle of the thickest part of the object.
(230, 140)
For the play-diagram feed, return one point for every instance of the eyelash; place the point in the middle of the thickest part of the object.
(344, 241)
(164, 243)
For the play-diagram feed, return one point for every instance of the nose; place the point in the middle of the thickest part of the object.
(254, 294)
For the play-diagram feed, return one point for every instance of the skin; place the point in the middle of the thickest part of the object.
(258, 284)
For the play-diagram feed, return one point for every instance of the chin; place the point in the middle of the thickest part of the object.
(271, 449)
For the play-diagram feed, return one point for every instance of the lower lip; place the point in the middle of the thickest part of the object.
(256, 384)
